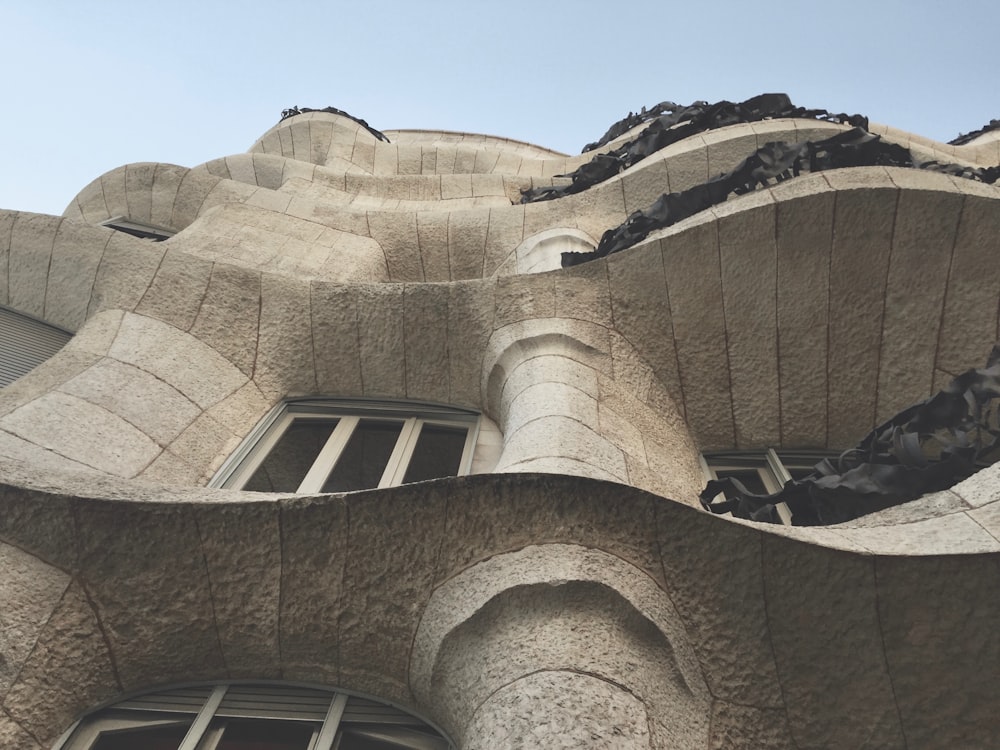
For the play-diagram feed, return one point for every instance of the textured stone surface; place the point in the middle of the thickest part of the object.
(70, 665)
(691, 266)
(130, 393)
(228, 317)
(923, 237)
(736, 727)
(14, 735)
(30, 590)
(190, 366)
(822, 610)
(314, 550)
(243, 559)
(936, 621)
(151, 592)
(721, 600)
(176, 292)
(747, 255)
(76, 254)
(285, 360)
(804, 235)
(83, 432)
(560, 710)
(382, 351)
(384, 586)
(28, 262)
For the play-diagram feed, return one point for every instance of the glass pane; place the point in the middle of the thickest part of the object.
(363, 460)
(388, 738)
(264, 734)
(750, 478)
(290, 460)
(144, 738)
(438, 453)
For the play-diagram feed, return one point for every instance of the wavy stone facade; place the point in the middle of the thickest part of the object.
(572, 593)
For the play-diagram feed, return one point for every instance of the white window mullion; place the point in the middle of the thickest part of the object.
(315, 478)
(260, 452)
(401, 453)
(202, 720)
(782, 476)
(331, 723)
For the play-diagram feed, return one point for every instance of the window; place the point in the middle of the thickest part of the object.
(252, 717)
(315, 445)
(26, 342)
(138, 229)
(763, 473)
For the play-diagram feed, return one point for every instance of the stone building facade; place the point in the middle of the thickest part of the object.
(567, 590)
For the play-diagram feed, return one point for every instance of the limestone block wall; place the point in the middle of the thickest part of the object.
(571, 593)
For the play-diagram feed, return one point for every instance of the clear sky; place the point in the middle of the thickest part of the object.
(90, 85)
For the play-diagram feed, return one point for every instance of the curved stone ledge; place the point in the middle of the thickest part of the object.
(203, 566)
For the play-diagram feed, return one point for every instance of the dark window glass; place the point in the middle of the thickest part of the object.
(438, 453)
(365, 456)
(143, 738)
(288, 463)
(387, 738)
(262, 734)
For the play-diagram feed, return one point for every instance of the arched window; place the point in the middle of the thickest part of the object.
(252, 717)
(325, 445)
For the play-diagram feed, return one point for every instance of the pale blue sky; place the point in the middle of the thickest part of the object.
(89, 86)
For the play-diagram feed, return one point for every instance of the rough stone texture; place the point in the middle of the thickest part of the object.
(736, 727)
(382, 352)
(747, 255)
(285, 361)
(125, 272)
(864, 214)
(177, 290)
(70, 664)
(721, 600)
(382, 587)
(313, 554)
(14, 735)
(28, 262)
(190, 366)
(691, 266)
(243, 559)
(129, 392)
(560, 710)
(936, 621)
(29, 589)
(76, 254)
(804, 235)
(82, 432)
(228, 318)
(151, 592)
(847, 665)
(336, 339)
(642, 313)
(923, 237)
(425, 329)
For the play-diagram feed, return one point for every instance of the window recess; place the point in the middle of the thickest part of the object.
(763, 472)
(138, 229)
(251, 717)
(319, 445)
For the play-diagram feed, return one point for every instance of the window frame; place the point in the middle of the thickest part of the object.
(207, 716)
(138, 229)
(771, 466)
(259, 444)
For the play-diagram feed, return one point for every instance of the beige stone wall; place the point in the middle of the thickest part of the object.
(573, 594)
